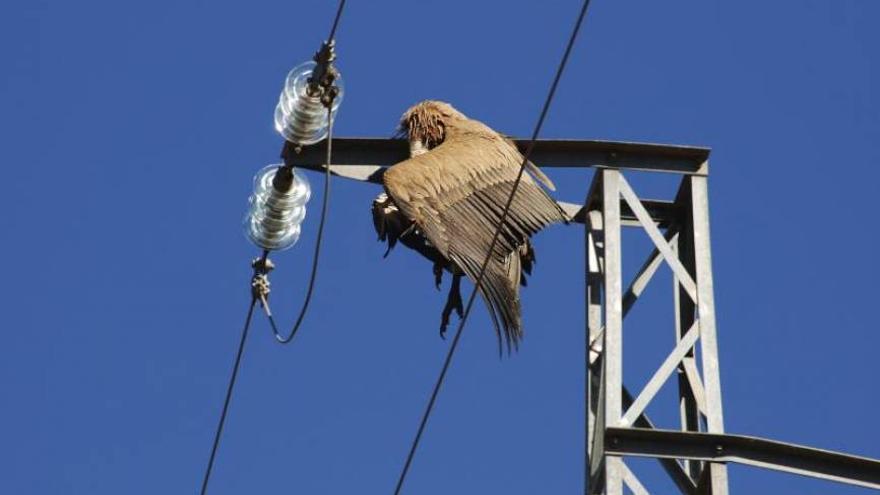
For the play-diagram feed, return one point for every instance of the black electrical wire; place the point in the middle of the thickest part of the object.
(219, 432)
(317, 254)
(336, 20)
(501, 221)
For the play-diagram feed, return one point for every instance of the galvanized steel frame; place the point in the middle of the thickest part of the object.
(685, 248)
(616, 422)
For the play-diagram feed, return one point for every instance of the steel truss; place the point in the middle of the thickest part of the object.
(696, 456)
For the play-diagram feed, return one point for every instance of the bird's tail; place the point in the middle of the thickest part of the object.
(500, 292)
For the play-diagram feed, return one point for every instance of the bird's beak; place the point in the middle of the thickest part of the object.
(416, 148)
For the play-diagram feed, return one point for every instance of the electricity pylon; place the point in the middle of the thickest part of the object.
(695, 455)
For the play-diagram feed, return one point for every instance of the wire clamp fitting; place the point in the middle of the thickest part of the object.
(260, 286)
(323, 78)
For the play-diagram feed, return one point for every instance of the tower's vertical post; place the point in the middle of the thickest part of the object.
(594, 249)
(685, 315)
(706, 309)
(612, 375)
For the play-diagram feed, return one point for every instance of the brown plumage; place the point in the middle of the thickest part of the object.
(447, 199)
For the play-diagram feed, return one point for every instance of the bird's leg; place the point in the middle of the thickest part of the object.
(453, 301)
(438, 274)
(455, 293)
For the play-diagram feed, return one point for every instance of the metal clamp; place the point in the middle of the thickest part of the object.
(260, 286)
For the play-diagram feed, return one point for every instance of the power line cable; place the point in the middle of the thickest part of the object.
(339, 10)
(219, 432)
(501, 222)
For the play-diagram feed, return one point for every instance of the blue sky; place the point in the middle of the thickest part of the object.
(131, 132)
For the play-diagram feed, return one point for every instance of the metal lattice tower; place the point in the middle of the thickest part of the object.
(685, 248)
(696, 455)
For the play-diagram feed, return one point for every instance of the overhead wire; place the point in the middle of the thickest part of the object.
(235, 367)
(339, 10)
(477, 285)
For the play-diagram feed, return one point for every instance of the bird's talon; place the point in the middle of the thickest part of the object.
(444, 322)
(438, 275)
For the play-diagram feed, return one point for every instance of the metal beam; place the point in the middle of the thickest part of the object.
(635, 289)
(350, 154)
(681, 479)
(692, 375)
(684, 483)
(375, 152)
(593, 253)
(632, 482)
(612, 374)
(706, 311)
(752, 451)
(685, 315)
(663, 213)
(657, 237)
(661, 375)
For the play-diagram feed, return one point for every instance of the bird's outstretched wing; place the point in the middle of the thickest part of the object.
(456, 194)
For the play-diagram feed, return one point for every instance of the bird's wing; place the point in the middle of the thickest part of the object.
(533, 169)
(539, 174)
(456, 194)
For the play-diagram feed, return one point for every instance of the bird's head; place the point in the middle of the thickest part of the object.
(425, 124)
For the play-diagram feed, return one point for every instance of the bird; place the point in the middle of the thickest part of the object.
(446, 200)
